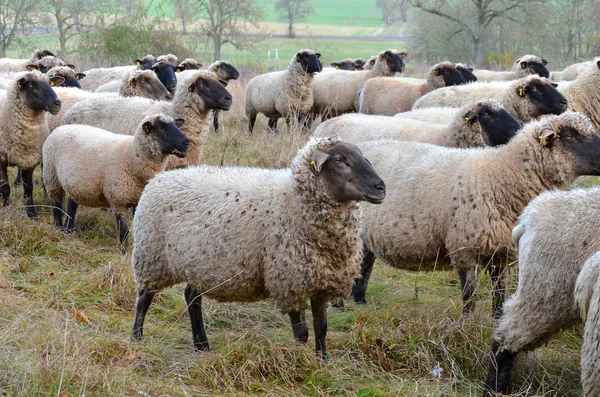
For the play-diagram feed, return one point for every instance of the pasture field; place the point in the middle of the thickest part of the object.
(67, 307)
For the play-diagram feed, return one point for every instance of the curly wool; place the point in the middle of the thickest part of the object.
(243, 234)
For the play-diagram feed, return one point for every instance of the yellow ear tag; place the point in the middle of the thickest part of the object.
(215, 68)
(337, 66)
(543, 141)
(130, 82)
(314, 166)
(138, 63)
(521, 93)
(466, 119)
(188, 88)
(52, 83)
(297, 58)
(18, 84)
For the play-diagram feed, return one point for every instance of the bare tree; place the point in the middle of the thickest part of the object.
(228, 21)
(181, 11)
(15, 15)
(293, 11)
(473, 17)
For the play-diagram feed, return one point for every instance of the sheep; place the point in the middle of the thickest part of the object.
(142, 83)
(390, 95)
(169, 58)
(556, 234)
(466, 72)
(347, 64)
(69, 96)
(370, 63)
(524, 66)
(335, 92)
(292, 234)
(438, 115)
(146, 62)
(103, 169)
(287, 93)
(188, 64)
(98, 76)
(71, 77)
(525, 99)
(226, 72)
(47, 63)
(9, 65)
(583, 93)
(23, 127)
(475, 199)
(484, 123)
(360, 62)
(194, 99)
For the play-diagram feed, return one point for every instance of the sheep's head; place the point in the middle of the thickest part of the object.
(445, 74)
(36, 91)
(46, 63)
(146, 62)
(39, 54)
(166, 133)
(166, 74)
(146, 84)
(346, 64)
(67, 73)
(169, 58)
(497, 126)
(542, 94)
(211, 91)
(466, 72)
(392, 61)
(370, 63)
(308, 61)
(224, 70)
(360, 62)
(531, 64)
(188, 64)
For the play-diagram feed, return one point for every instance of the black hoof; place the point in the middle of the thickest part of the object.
(361, 300)
(202, 346)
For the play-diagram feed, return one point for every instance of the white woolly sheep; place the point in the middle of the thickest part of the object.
(69, 96)
(23, 129)
(193, 102)
(66, 72)
(583, 94)
(524, 66)
(439, 115)
(97, 168)
(231, 239)
(556, 234)
(370, 63)
(390, 95)
(141, 83)
(525, 99)
(287, 93)
(10, 65)
(466, 218)
(98, 76)
(571, 72)
(484, 123)
(336, 92)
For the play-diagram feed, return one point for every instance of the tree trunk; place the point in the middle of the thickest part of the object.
(217, 51)
(290, 25)
(479, 38)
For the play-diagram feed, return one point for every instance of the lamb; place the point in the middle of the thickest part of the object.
(295, 240)
(188, 64)
(524, 66)
(557, 236)
(390, 95)
(103, 169)
(484, 123)
(287, 93)
(193, 101)
(478, 194)
(466, 72)
(9, 65)
(347, 64)
(71, 77)
(226, 72)
(525, 99)
(141, 83)
(23, 128)
(335, 92)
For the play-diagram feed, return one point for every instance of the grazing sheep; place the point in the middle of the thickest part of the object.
(390, 95)
(524, 66)
(556, 234)
(226, 72)
(466, 72)
(287, 93)
(169, 58)
(188, 64)
(525, 99)
(244, 234)
(67, 73)
(97, 168)
(140, 83)
(336, 92)
(23, 129)
(193, 101)
(347, 64)
(583, 93)
(484, 123)
(9, 65)
(476, 195)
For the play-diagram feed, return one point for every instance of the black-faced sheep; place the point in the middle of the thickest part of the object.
(524, 66)
(141, 83)
(466, 72)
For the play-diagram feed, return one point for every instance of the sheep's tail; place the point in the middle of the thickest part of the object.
(587, 297)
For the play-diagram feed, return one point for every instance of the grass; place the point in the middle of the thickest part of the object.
(67, 306)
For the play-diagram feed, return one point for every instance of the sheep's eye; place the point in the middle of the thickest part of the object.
(337, 160)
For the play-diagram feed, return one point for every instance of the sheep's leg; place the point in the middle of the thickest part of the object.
(123, 234)
(4, 185)
(216, 120)
(57, 213)
(359, 289)
(499, 370)
(467, 283)
(18, 178)
(144, 299)
(194, 306)
(27, 176)
(299, 327)
(71, 211)
(272, 124)
(498, 281)
(319, 311)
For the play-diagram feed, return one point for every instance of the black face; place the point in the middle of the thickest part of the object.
(45, 53)
(344, 65)
(70, 81)
(166, 74)
(545, 97)
(467, 74)
(349, 176)
(231, 72)
(537, 68)
(146, 62)
(360, 62)
(309, 62)
(394, 61)
(585, 146)
(170, 138)
(451, 76)
(212, 92)
(497, 125)
(39, 95)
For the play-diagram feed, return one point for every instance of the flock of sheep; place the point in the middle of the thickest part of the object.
(471, 159)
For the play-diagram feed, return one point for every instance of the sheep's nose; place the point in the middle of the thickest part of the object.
(58, 103)
(229, 97)
(380, 186)
(186, 143)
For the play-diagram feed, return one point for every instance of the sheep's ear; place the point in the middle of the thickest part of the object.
(216, 67)
(298, 57)
(598, 64)
(335, 65)
(436, 72)
(522, 91)
(547, 137)
(470, 69)
(554, 85)
(71, 66)
(524, 65)
(147, 127)
(179, 69)
(318, 158)
(544, 62)
(137, 62)
(57, 80)
(382, 55)
(403, 55)
(179, 122)
(372, 62)
(31, 67)
(20, 83)
(471, 117)
(191, 87)
(318, 55)
(79, 76)
(223, 83)
(131, 82)
(358, 67)
(199, 65)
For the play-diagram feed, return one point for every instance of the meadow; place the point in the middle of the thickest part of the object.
(67, 306)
